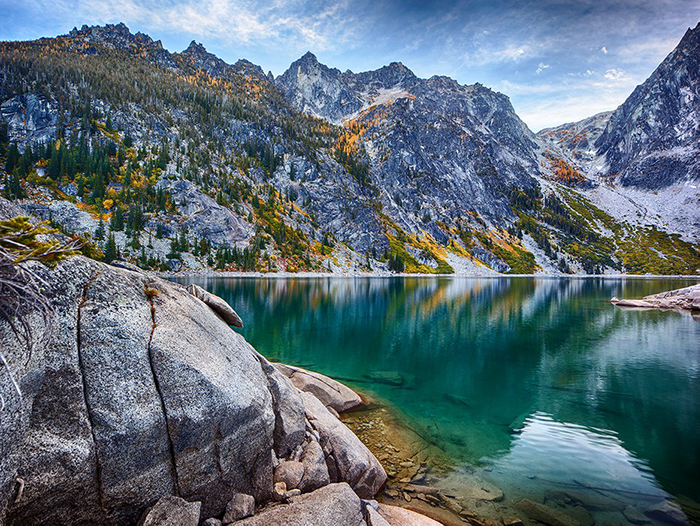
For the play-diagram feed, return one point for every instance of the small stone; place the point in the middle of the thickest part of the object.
(212, 521)
(239, 507)
(453, 506)
(392, 493)
(292, 493)
(279, 492)
(407, 464)
(432, 499)
(512, 521)
(289, 472)
(417, 488)
(407, 497)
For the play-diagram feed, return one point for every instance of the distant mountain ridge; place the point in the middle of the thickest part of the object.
(320, 169)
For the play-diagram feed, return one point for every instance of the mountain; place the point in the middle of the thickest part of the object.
(182, 160)
(652, 140)
(578, 139)
(435, 149)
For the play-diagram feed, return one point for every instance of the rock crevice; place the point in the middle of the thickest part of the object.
(171, 448)
(89, 412)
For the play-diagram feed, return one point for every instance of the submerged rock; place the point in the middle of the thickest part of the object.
(387, 377)
(634, 516)
(667, 512)
(545, 514)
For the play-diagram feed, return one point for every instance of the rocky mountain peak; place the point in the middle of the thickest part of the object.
(652, 140)
(195, 48)
(118, 36)
(115, 34)
(308, 58)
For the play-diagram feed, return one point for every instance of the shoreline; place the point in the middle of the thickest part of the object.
(376, 275)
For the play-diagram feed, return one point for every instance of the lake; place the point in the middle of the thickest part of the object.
(535, 385)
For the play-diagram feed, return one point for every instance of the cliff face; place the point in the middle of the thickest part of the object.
(435, 148)
(651, 141)
(142, 391)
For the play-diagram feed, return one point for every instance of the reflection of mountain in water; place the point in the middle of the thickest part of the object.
(476, 357)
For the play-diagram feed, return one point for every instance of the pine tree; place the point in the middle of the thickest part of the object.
(100, 231)
(13, 187)
(111, 250)
(12, 158)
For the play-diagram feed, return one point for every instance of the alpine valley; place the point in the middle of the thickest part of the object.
(183, 162)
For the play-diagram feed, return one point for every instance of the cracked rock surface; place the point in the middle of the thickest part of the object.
(141, 391)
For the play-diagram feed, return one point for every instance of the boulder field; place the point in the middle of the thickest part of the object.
(139, 401)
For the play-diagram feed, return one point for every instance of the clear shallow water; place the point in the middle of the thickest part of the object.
(533, 384)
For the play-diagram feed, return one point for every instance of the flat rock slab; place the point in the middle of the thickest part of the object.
(172, 511)
(396, 516)
(545, 514)
(335, 504)
(218, 305)
(331, 393)
(687, 298)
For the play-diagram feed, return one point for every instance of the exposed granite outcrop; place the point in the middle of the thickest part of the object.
(143, 392)
(687, 298)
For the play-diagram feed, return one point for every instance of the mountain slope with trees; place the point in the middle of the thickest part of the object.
(180, 160)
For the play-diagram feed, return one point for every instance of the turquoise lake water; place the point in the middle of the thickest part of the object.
(532, 384)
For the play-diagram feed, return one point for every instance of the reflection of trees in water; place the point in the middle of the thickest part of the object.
(485, 353)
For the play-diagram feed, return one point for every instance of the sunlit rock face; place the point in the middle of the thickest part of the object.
(436, 148)
(653, 139)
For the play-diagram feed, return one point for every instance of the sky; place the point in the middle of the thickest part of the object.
(558, 60)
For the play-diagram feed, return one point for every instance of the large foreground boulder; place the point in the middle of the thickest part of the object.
(141, 392)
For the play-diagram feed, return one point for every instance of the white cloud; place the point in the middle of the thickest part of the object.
(514, 88)
(542, 66)
(616, 75)
(230, 21)
(604, 50)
